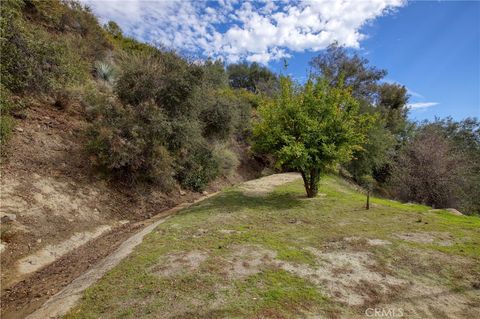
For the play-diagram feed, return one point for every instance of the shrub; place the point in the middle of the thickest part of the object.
(197, 168)
(163, 77)
(105, 72)
(6, 120)
(219, 118)
(37, 60)
(428, 171)
(185, 133)
(129, 142)
(242, 102)
(440, 165)
(140, 78)
(27, 59)
(226, 159)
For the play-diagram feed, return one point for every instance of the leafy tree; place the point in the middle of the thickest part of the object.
(386, 101)
(375, 153)
(310, 129)
(215, 74)
(336, 65)
(252, 77)
(391, 101)
(428, 170)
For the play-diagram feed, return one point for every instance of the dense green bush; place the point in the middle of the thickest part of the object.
(28, 60)
(154, 115)
(141, 76)
(129, 142)
(163, 77)
(46, 46)
(197, 168)
(185, 134)
(227, 160)
(6, 120)
(219, 118)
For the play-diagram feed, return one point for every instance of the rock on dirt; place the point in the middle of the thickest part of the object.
(6, 218)
(454, 211)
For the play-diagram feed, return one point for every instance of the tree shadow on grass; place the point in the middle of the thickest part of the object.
(235, 200)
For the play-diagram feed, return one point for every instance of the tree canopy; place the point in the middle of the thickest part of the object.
(310, 128)
(252, 77)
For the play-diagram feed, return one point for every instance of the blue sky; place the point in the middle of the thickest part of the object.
(431, 47)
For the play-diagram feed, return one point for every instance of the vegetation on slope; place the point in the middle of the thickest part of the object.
(287, 256)
(159, 118)
(153, 115)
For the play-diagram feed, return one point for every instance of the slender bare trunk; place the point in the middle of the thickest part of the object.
(368, 200)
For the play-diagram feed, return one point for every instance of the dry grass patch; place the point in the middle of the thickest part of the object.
(178, 262)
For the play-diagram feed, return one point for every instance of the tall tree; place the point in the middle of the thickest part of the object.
(252, 77)
(386, 100)
(391, 101)
(428, 170)
(336, 65)
(310, 129)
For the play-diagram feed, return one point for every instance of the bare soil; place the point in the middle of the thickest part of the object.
(263, 186)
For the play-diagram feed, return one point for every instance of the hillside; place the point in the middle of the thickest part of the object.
(104, 136)
(69, 197)
(251, 253)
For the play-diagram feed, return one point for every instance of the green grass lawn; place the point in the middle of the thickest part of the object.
(286, 256)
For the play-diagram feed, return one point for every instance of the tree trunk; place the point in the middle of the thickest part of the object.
(368, 200)
(310, 181)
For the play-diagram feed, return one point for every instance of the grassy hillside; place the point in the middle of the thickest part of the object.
(282, 255)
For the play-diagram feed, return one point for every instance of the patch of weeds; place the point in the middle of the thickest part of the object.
(7, 233)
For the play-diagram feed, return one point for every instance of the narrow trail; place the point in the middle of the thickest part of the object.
(62, 301)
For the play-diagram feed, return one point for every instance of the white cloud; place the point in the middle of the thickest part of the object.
(421, 105)
(414, 94)
(256, 31)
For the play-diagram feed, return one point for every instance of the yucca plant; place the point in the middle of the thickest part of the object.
(105, 71)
